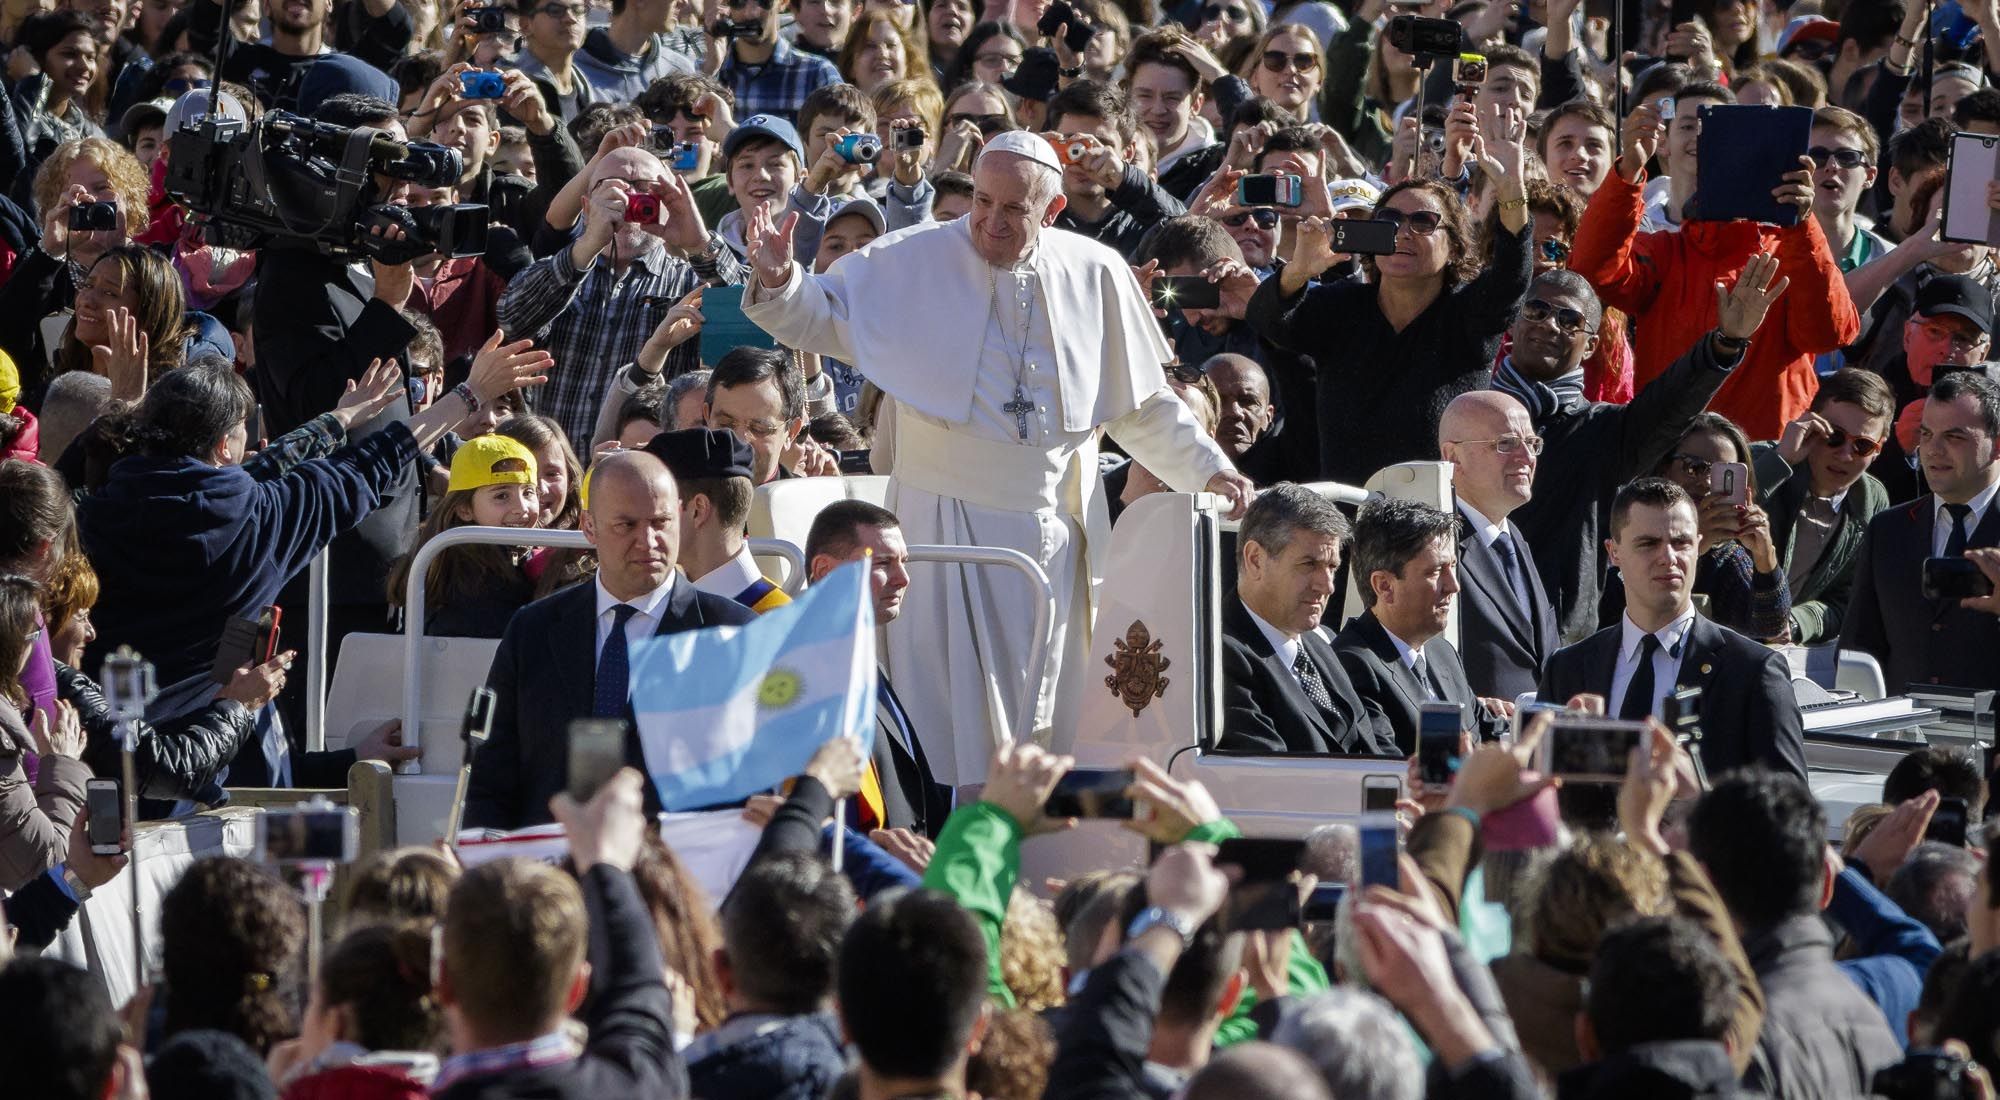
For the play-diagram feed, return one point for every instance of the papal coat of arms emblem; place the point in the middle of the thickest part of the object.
(1136, 667)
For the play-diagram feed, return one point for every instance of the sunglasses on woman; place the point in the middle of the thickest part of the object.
(1220, 13)
(1278, 61)
(1421, 222)
(1842, 158)
(988, 124)
(1265, 219)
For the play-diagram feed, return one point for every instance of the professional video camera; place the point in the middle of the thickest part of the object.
(284, 179)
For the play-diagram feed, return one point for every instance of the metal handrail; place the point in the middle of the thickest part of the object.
(1335, 491)
(793, 555)
(1045, 610)
(316, 654)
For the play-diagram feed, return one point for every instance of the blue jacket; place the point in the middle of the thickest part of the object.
(1896, 950)
(759, 1057)
(180, 545)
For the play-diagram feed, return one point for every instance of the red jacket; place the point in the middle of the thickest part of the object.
(357, 1083)
(1666, 282)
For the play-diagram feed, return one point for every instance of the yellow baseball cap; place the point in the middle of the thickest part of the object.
(491, 460)
(10, 383)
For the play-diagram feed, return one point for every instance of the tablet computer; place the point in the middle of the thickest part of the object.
(1744, 153)
(1974, 163)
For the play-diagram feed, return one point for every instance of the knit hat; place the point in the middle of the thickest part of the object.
(491, 460)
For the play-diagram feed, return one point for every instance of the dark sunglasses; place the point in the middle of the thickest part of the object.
(1569, 320)
(1187, 374)
(1861, 445)
(1423, 222)
(1844, 158)
(557, 11)
(1554, 250)
(988, 124)
(180, 84)
(1220, 13)
(1265, 219)
(1277, 61)
(1699, 467)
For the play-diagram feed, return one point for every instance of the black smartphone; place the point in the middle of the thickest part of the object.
(1092, 792)
(857, 463)
(1060, 14)
(1954, 579)
(1381, 843)
(308, 834)
(106, 824)
(1262, 858)
(1323, 904)
(1185, 292)
(1362, 236)
(1379, 793)
(1439, 726)
(596, 752)
(1947, 824)
(245, 642)
(1590, 750)
(1261, 907)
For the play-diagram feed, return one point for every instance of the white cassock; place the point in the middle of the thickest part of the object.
(940, 330)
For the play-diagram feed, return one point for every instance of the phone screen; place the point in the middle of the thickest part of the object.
(107, 814)
(1262, 858)
(1261, 906)
(1092, 792)
(1381, 842)
(1379, 793)
(1323, 904)
(1947, 823)
(1438, 729)
(1954, 579)
(1185, 292)
(1591, 750)
(307, 836)
(596, 752)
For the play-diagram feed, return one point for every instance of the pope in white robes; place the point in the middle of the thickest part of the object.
(1005, 349)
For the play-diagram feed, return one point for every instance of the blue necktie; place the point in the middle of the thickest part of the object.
(613, 667)
(1510, 564)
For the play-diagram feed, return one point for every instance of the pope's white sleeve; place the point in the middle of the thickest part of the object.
(809, 313)
(1163, 436)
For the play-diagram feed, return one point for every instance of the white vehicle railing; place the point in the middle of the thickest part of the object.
(413, 602)
(1045, 610)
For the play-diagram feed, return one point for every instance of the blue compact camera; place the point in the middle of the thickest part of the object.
(482, 85)
(859, 148)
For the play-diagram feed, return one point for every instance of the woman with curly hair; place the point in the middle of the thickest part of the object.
(1392, 352)
(232, 939)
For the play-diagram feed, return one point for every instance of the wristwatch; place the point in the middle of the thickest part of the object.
(1730, 344)
(1155, 916)
(709, 252)
(1070, 74)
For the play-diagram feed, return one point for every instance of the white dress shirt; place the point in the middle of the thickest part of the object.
(731, 578)
(639, 626)
(1286, 646)
(1941, 524)
(1483, 529)
(1666, 660)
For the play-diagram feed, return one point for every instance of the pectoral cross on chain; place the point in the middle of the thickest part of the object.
(1020, 407)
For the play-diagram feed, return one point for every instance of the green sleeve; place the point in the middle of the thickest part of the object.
(977, 862)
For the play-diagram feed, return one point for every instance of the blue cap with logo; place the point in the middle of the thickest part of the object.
(770, 126)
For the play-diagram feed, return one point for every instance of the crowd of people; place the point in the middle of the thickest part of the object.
(1034, 262)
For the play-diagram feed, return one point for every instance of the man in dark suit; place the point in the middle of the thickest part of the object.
(1920, 641)
(1506, 625)
(843, 532)
(1283, 690)
(1661, 645)
(568, 656)
(1405, 559)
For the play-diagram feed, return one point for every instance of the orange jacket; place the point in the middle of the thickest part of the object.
(1666, 282)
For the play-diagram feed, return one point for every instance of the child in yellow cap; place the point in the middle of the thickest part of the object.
(472, 591)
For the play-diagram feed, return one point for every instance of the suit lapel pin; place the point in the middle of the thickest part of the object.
(1706, 668)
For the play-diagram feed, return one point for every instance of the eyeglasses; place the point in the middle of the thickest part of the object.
(1187, 374)
(1571, 321)
(1861, 445)
(1506, 444)
(557, 11)
(1225, 14)
(1277, 60)
(1959, 340)
(1265, 219)
(1554, 249)
(1421, 222)
(762, 429)
(1699, 467)
(988, 124)
(741, 5)
(1841, 158)
(1002, 58)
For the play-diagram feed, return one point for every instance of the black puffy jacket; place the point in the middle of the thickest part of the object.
(177, 759)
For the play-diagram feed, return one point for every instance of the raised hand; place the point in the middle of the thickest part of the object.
(1988, 561)
(255, 685)
(373, 395)
(524, 101)
(769, 246)
(682, 323)
(1217, 197)
(1740, 309)
(1796, 189)
(64, 738)
(682, 229)
(1650, 781)
(1103, 165)
(124, 355)
(502, 368)
(1644, 130)
(1804, 430)
(1020, 780)
(1503, 132)
(1174, 806)
(839, 766)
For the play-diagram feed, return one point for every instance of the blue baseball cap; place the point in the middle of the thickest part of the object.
(770, 126)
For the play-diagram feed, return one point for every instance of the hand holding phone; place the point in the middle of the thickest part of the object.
(1729, 482)
(1381, 845)
(596, 752)
(1439, 726)
(1185, 292)
(104, 801)
(1271, 190)
(1092, 792)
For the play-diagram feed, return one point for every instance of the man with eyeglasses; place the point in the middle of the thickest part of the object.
(1814, 485)
(1592, 448)
(552, 33)
(1928, 641)
(634, 50)
(769, 75)
(759, 394)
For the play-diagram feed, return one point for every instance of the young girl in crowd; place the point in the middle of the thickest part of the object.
(472, 591)
(34, 821)
(373, 1030)
(558, 483)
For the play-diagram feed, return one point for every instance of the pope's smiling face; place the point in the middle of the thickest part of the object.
(1013, 200)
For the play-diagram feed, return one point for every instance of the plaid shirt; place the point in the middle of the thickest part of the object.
(778, 86)
(556, 1048)
(595, 321)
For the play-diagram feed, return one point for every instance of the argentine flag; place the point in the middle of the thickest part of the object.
(733, 711)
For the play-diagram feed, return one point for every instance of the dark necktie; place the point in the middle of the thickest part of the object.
(614, 667)
(1638, 704)
(1954, 546)
(1309, 679)
(1423, 670)
(1510, 567)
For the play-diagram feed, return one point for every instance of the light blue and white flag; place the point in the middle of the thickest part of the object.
(733, 711)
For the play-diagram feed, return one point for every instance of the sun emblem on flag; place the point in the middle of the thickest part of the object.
(780, 688)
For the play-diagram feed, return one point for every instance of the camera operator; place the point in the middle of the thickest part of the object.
(373, 31)
(766, 73)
